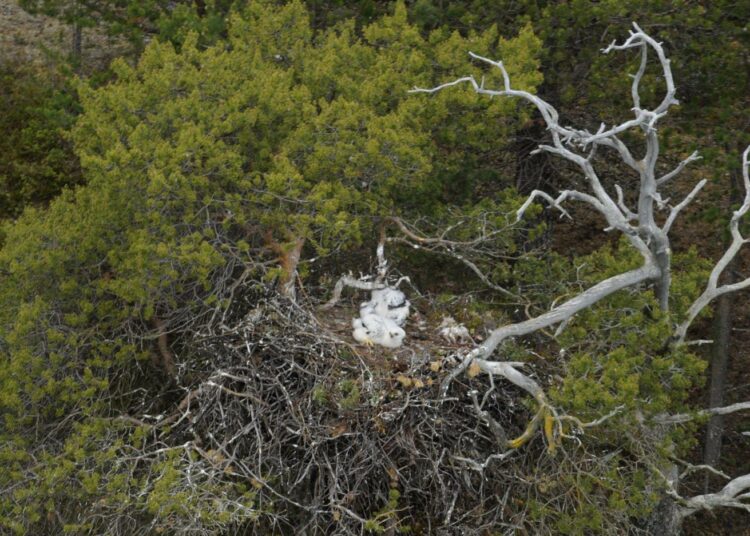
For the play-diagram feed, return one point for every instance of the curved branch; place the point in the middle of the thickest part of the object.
(676, 171)
(629, 214)
(566, 310)
(448, 246)
(685, 202)
(565, 194)
(167, 357)
(687, 417)
(350, 281)
(559, 314)
(639, 38)
(713, 289)
(730, 496)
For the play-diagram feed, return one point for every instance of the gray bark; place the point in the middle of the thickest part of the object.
(665, 520)
(77, 40)
(719, 366)
(720, 362)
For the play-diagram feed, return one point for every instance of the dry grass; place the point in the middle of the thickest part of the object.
(44, 41)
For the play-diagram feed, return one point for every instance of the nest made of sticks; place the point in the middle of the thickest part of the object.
(333, 439)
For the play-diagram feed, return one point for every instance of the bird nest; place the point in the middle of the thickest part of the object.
(333, 438)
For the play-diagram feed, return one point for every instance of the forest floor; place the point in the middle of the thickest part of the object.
(42, 41)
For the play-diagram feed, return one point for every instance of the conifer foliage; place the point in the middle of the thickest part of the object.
(206, 169)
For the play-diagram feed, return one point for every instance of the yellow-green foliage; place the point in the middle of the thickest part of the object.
(619, 352)
(190, 158)
(349, 394)
(303, 134)
(615, 356)
(387, 517)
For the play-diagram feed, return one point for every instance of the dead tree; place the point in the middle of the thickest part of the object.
(645, 230)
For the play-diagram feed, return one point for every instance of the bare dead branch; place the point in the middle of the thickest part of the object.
(453, 249)
(691, 468)
(639, 38)
(349, 281)
(731, 496)
(629, 214)
(685, 202)
(682, 165)
(565, 194)
(687, 417)
(167, 357)
(713, 289)
(563, 311)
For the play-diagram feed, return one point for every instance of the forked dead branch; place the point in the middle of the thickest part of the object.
(645, 229)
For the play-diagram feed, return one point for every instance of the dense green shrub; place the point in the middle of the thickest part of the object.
(201, 167)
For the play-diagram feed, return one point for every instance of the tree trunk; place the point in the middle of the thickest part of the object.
(665, 520)
(76, 44)
(722, 331)
(167, 361)
(719, 365)
(289, 256)
(76, 37)
(289, 263)
(661, 249)
(200, 8)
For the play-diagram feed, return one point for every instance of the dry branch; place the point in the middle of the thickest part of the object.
(713, 289)
(732, 496)
(639, 226)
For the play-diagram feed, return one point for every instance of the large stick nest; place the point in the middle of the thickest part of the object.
(332, 439)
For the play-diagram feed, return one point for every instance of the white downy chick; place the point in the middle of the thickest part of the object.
(372, 329)
(391, 303)
(366, 308)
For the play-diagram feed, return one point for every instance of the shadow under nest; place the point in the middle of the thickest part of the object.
(337, 439)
